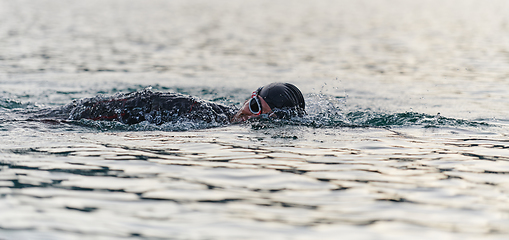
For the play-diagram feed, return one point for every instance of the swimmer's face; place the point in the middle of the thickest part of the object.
(244, 113)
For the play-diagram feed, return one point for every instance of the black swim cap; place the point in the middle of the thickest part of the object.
(283, 95)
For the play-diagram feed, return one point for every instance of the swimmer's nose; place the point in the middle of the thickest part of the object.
(239, 118)
(242, 115)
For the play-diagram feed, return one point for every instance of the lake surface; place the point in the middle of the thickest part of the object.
(406, 135)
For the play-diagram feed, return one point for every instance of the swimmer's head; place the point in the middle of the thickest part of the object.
(279, 100)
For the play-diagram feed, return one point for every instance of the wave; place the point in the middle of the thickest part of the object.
(367, 119)
(7, 103)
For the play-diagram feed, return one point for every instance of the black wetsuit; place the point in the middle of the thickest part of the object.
(154, 107)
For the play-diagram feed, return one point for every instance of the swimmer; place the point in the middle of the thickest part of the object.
(276, 100)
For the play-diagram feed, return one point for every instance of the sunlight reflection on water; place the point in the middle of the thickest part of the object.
(372, 160)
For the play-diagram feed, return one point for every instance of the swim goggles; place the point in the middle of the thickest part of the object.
(254, 104)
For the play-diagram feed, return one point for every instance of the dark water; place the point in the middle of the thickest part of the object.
(405, 137)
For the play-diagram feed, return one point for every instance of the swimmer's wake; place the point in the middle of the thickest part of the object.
(271, 106)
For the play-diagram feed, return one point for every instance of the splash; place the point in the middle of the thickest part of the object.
(177, 125)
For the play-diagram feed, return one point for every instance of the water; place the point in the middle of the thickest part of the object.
(405, 137)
